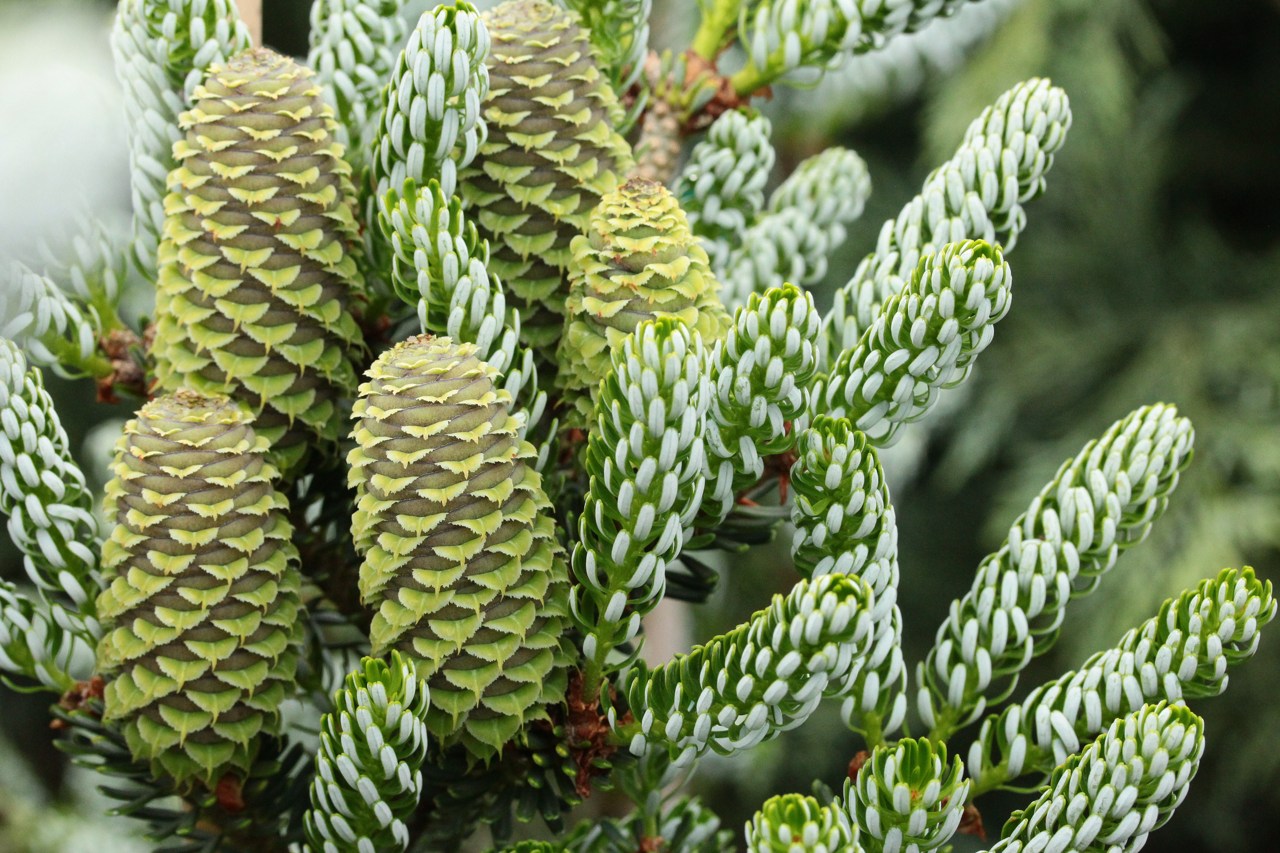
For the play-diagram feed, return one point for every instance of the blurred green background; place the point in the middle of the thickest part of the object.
(1150, 271)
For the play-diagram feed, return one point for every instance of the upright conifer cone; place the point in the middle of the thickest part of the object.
(200, 604)
(460, 559)
(551, 153)
(256, 276)
(637, 261)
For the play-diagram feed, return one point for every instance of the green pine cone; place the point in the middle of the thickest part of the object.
(637, 261)
(460, 559)
(256, 271)
(551, 153)
(200, 605)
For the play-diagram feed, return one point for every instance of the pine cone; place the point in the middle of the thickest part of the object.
(637, 261)
(460, 559)
(256, 275)
(200, 604)
(552, 152)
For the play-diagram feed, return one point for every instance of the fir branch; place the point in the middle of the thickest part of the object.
(1121, 787)
(353, 48)
(1100, 503)
(368, 777)
(92, 264)
(845, 524)
(162, 50)
(791, 823)
(782, 37)
(804, 224)
(34, 646)
(907, 797)
(685, 824)
(440, 262)
(56, 331)
(762, 369)
(1184, 652)
(645, 461)
(431, 124)
(976, 195)
(925, 339)
(721, 187)
(748, 685)
(43, 492)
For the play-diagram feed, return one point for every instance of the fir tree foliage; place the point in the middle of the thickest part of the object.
(369, 769)
(43, 492)
(979, 194)
(645, 460)
(803, 224)
(1101, 502)
(845, 524)
(907, 797)
(793, 822)
(431, 124)
(762, 678)
(1184, 652)
(924, 340)
(488, 573)
(55, 331)
(722, 185)
(353, 48)
(1117, 790)
(762, 368)
(440, 263)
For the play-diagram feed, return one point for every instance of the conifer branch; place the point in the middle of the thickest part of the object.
(645, 462)
(924, 340)
(845, 524)
(748, 685)
(431, 124)
(792, 822)
(907, 797)
(1184, 652)
(1100, 503)
(368, 776)
(978, 194)
(1121, 787)
(43, 492)
(762, 369)
(56, 330)
(353, 49)
(722, 185)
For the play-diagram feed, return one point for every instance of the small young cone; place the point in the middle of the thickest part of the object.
(637, 261)
(460, 560)
(200, 605)
(256, 276)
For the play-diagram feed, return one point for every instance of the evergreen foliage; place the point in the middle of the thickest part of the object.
(581, 418)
